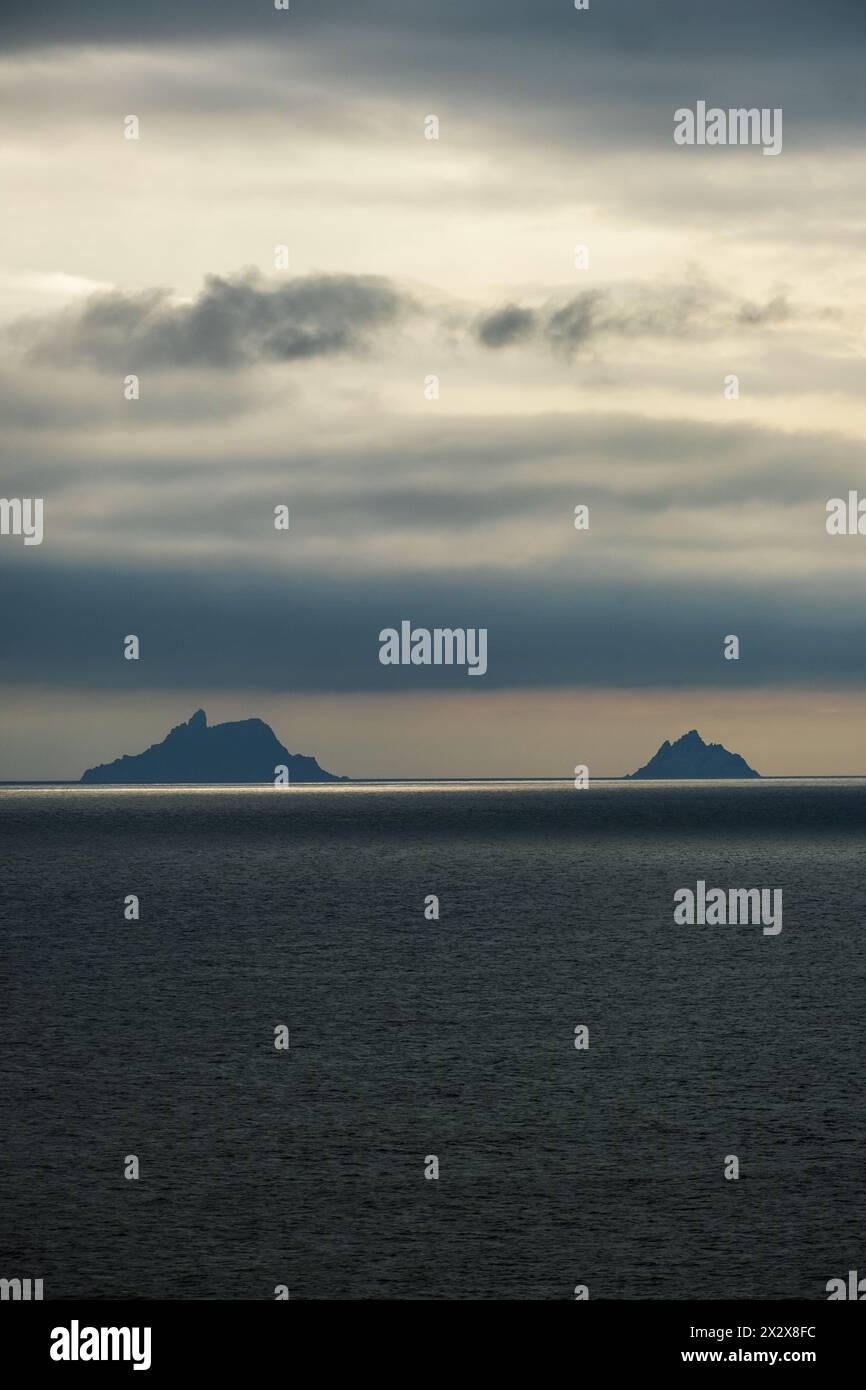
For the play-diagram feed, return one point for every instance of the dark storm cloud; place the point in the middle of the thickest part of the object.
(612, 75)
(235, 321)
(64, 628)
(776, 26)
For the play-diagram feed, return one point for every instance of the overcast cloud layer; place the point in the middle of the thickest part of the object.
(411, 262)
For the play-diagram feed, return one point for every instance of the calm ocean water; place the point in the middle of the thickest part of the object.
(411, 1037)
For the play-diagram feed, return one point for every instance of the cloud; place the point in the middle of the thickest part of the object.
(235, 321)
(571, 326)
(242, 319)
(675, 311)
(697, 530)
(611, 76)
(776, 310)
(209, 628)
(434, 490)
(505, 326)
(774, 26)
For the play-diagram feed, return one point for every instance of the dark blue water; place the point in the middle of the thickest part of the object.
(412, 1038)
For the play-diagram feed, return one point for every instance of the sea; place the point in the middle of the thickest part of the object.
(434, 1129)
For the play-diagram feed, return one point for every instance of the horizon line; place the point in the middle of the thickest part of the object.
(439, 781)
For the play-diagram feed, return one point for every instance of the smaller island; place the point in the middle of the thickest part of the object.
(690, 757)
(245, 751)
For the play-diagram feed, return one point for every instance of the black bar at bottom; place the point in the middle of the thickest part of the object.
(408, 1340)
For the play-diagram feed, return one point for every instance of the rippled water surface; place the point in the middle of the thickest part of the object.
(411, 1038)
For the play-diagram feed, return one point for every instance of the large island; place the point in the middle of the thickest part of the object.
(245, 751)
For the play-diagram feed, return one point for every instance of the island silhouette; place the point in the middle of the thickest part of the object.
(690, 757)
(245, 751)
(248, 750)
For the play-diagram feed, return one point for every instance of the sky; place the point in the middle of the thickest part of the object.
(563, 380)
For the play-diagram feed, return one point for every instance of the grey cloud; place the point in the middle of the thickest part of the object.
(235, 321)
(632, 311)
(239, 320)
(64, 629)
(572, 619)
(776, 310)
(610, 77)
(505, 326)
(446, 477)
(80, 401)
(573, 325)
(665, 312)
(774, 26)
(517, 73)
